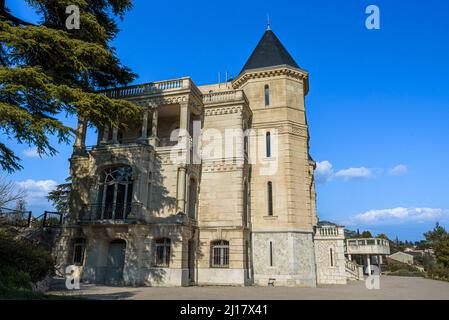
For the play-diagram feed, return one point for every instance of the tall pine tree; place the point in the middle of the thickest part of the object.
(47, 71)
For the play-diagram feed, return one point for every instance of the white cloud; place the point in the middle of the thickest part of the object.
(354, 173)
(323, 172)
(399, 170)
(37, 190)
(397, 216)
(31, 153)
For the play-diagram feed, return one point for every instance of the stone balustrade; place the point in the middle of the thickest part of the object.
(223, 96)
(329, 232)
(153, 88)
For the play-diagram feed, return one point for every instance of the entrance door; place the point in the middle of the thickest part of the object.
(191, 262)
(116, 262)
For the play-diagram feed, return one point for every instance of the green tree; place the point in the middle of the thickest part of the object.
(48, 72)
(382, 236)
(61, 195)
(366, 234)
(438, 239)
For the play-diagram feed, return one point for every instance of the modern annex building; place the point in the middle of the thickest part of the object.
(146, 210)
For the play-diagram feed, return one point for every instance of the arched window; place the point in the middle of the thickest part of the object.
(270, 197)
(115, 195)
(268, 144)
(220, 254)
(162, 249)
(79, 248)
(267, 95)
(331, 252)
(192, 198)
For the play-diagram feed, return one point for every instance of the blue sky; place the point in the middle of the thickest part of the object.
(378, 101)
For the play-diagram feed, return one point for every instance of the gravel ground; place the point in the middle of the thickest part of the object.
(391, 288)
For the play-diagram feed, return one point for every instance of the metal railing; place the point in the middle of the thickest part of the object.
(25, 219)
(16, 217)
(112, 212)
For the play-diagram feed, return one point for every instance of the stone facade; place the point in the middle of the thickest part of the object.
(330, 254)
(151, 207)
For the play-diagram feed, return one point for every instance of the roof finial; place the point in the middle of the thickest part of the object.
(268, 22)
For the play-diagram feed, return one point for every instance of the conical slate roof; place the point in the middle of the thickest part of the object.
(269, 52)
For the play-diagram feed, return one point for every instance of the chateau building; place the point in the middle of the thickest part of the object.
(152, 206)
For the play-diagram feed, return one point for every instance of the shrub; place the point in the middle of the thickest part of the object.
(22, 262)
(439, 272)
(396, 266)
(406, 273)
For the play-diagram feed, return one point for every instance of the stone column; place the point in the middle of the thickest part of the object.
(154, 140)
(380, 259)
(80, 141)
(368, 264)
(184, 119)
(143, 136)
(104, 138)
(115, 135)
(184, 122)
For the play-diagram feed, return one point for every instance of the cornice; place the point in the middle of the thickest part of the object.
(269, 73)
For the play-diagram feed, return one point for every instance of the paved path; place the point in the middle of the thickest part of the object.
(391, 288)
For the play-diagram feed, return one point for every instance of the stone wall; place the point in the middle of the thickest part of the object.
(293, 259)
(330, 257)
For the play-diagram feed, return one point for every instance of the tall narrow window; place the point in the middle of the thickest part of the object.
(247, 256)
(245, 203)
(220, 254)
(162, 250)
(270, 198)
(267, 95)
(78, 252)
(192, 198)
(268, 144)
(271, 253)
(332, 257)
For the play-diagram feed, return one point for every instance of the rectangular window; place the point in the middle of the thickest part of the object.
(271, 253)
(162, 253)
(220, 254)
(332, 257)
(79, 249)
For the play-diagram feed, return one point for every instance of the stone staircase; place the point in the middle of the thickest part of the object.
(353, 270)
(44, 229)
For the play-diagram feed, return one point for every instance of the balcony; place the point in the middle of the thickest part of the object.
(373, 246)
(113, 213)
(159, 87)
